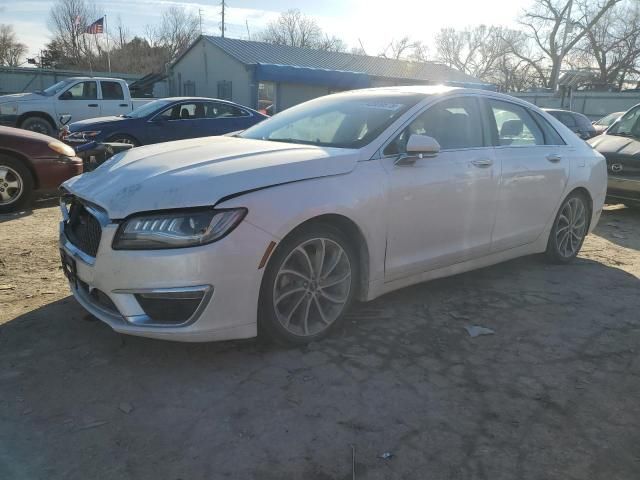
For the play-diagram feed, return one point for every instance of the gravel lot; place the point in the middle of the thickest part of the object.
(553, 394)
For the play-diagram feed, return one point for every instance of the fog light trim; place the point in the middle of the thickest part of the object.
(201, 294)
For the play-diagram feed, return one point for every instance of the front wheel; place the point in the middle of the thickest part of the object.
(569, 229)
(16, 184)
(309, 284)
(38, 125)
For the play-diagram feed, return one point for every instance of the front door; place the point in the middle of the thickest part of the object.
(80, 101)
(535, 170)
(441, 209)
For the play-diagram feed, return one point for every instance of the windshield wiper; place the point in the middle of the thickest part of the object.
(623, 134)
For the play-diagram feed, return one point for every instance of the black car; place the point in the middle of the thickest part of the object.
(577, 122)
(620, 145)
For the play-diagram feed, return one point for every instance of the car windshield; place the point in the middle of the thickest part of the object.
(609, 119)
(55, 88)
(628, 125)
(349, 120)
(148, 109)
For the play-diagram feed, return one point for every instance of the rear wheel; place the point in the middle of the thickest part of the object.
(38, 125)
(569, 229)
(16, 184)
(309, 284)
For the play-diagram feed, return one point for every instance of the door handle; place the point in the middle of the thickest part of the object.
(554, 158)
(483, 163)
(92, 105)
(124, 104)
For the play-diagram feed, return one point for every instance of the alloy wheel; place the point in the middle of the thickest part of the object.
(571, 227)
(10, 185)
(312, 287)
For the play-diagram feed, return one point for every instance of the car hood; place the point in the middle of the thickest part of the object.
(94, 122)
(616, 145)
(202, 171)
(21, 97)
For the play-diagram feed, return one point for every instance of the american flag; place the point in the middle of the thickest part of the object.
(96, 27)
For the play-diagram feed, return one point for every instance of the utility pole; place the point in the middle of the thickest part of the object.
(246, 21)
(200, 16)
(222, 27)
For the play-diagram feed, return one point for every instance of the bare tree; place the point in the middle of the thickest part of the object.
(331, 44)
(556, 27)
(11, 50)
(295, 29)
(68, 20)
(177, 30)
(405, 48)
(475, 51)
(121, 35)
(613, 45)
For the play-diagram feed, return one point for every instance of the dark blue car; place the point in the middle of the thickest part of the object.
(166, 120)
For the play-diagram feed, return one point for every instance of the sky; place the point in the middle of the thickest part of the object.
(370, 22)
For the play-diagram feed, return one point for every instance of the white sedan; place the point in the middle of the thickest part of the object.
(349, 196)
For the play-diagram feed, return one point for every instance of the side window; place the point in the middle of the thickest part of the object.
(514, 126)
(189, 111)
(551, 137)
(170, 113)
(81, 91)
(112, 91)
(582, 121)
(454, 123)
(567, 119)
(223, 110)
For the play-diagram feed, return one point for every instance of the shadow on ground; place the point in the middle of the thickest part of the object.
(620, 225)
(44, 201)
(552, 394)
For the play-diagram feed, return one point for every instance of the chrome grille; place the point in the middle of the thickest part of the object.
(83, 229)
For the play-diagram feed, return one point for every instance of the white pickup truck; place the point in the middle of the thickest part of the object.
(78, 97)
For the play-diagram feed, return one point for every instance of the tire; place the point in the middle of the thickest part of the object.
(569, 229)
(16, 184)
(38, 125)
(294, 307)
(123, 139)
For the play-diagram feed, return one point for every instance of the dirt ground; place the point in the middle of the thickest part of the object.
(553, 394)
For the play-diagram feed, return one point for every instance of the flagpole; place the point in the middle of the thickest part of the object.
(107, 34)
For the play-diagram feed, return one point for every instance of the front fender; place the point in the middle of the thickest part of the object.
(360, 196)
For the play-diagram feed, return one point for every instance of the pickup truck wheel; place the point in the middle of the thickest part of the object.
(38, 125)
(16, 184)
(123, 139)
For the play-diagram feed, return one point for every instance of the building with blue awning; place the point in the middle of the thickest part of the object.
(274, 77)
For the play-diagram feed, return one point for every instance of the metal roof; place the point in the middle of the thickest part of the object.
(251, 53)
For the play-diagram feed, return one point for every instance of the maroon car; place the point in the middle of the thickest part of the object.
(31, 161)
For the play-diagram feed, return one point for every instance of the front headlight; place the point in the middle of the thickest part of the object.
(62, 149)
(86, 135)
(185, 228)
(8, 108)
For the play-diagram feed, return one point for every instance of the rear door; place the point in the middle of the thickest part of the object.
(535, 170)
(113, 98)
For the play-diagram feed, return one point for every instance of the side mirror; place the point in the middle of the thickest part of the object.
(419, 146)
(64, 119)
(65, 96)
